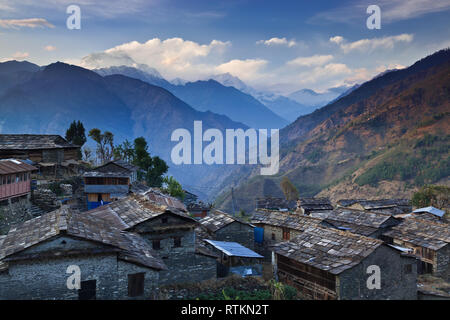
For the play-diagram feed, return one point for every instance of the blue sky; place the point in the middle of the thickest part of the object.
(280, 46)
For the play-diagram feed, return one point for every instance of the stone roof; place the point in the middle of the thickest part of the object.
(126, 165)
(355, 217)
(202, 233)
(274, 203)
(328, 249)
(14, 166)
(128, 212)
(284, 220)
(315, 204)
(422, 233)
(217, 219)
(375, 204)
(33, 142)
(130, 247)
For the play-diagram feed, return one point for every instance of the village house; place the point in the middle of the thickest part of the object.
(274, 226)
(429, 241)
(38, 257)
(198, 210)
(328, 264)
(108, 182)
(164, 223)
(387, 206)
(225, 227)
(431, 214)
(366, 223)
(275, 204)
(307, 205)
(52, 154)
(234, 258)
(15, 179)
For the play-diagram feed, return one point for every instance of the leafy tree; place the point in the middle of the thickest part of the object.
(173, 187)
(105, 144)
(289, 190)
(153, 168)
(76, 135)
(124, 151)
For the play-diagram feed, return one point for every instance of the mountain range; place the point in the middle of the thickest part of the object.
(389, 136)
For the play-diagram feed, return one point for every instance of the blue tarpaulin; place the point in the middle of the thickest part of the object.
(259, 235)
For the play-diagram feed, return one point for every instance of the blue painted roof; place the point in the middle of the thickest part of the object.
(431, 210)
(233, 249)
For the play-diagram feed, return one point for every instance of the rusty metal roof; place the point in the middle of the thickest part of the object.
(284, 219)
(13, 166)
(131, 247)
(423, 233)
(328, 249)
(33, 142)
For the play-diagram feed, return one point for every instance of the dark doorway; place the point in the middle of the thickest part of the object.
(136, 284)
(88, 290)
(99, 197)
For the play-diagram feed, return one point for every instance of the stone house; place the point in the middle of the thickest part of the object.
(428, 241)
(366, 223)
(307, 205)
(38, 257)
(328, 264)
(164, 223)
(52, 154)
(281, 226)
(225, 227)
(387, 206)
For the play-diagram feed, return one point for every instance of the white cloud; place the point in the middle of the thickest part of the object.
(28, 23)
(49, 48)
(278, 42)
(17, 56)
(337, 39)
(371, 44)
(316, 60)
(247, 70)
(174, 57)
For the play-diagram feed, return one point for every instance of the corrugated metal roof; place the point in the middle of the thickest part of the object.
(12, 166)
(431, 210)
(233, 249)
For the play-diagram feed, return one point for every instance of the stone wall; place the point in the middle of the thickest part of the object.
(46, 278)
(443, 263)
(237, 232)
(396, 282)
(183, 264)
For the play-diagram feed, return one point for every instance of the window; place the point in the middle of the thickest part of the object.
(286, 234)
(88, 290)
(177, 242)
(164, 220)
(156, 244)
(9, 179)
(136, 284)
(17, 178)
(273, 236)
